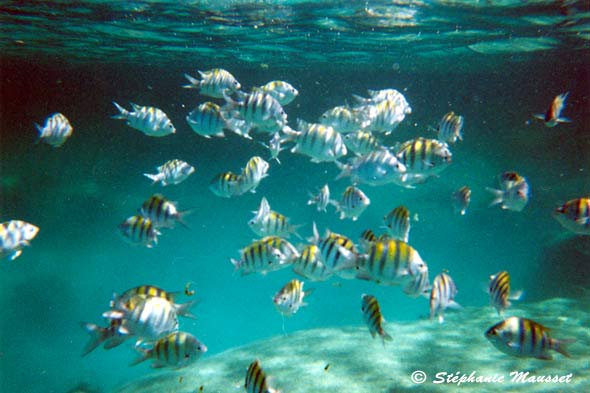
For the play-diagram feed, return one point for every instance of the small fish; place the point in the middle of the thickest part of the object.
(321, 200)
(450, 127)
(282, 91)
(139, 230)
(523, 337)
(376, 168)
(442, 296)
(256, 380)
(177, 350)
(339, 254)
(352, 203)
(342, 118)
(319, 142)
(187, 290)
(290, 298)
(110, 335)
(419, 285)
(424, 158)
(327, 367)
(213, 83)
(146, 291)
(368, 237)
(499, 291)
(265, 255)
(257, 110)
(14, 235)
(513, 193)
(56, 131)
(383, 116)
(267, 222)
(397, 223)
(461, 199)
(274, 146)
(207, 120)
(377, 96)
(574, 215)
(226, 185)
(362, 142)
(373, 317)
(255, 170)
(162, 212)
(171, 172)
(147, 119)
(309, 264)
(553, 115)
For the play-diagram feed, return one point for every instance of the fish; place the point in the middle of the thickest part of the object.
(172, 172)
(162, 212)
(321, 200)
(338, 252)
(419, 285)
(450, 127)
(207, 120)
(373, 317)
(352, 203)
(390, 262)
(187, 290)
(177, 349)
(146, 291)
(267, 222)
(499, 291)
(213, 83)
(147, 119)
(226, 185)
(255, 170)
(139, 230)
(423, 158)
(523, 337)
(552, 116)
(256, 110)
(274, 147)
(56, 130)
(110, 336)
(376, 168)
(442, 296)
(376, 96)
(574, 215)
(290, 297)
(343, 119)
(367, 238)
(513, 193)
(281, 91)
(383, 116)
(309, 264)
(256, 380)
(267, 254)
(461, 199)
(362, 142)
(319, 142)
(14, 236)
(148, 319)
(397, 223)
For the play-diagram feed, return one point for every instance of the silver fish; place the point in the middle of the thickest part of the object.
(207, 120)
(353, 203)
(226, 185)
(149, 120)
(376, 168)
(139, 230)
(499, 291)
(442, 296)
(450, 127)
(171, 172)
(56, 130)
(513, 193)
(282, 91)
(14, 235)
(397, 223)
(309, 264)
(362, 142)
(162, 212)
(342, 118)
(574, 215)
(213, 83)
(255, 170)
(373, 317)
(178, 349)
(319, 142)
(267, 222)
(461, 199)
(256, 110)
(424, 157)
(321, 200)
(257, 380)
(290, 298)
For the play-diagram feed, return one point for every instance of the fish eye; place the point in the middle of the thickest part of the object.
(186, 356)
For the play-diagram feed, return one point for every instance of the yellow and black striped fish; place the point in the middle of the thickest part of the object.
(373, 317)
(56, 131)
(309, 264)
(213, 83)
(424, 157)
(267, 254)
(207, 120)
(523, 337)
(442, 295)
(339, 254)
(255, 170)
(267, 222)
(397, 222)
(139, 230)
(461, 199)
(226, 185)
(499, 291)
(574, 215)
(177, 349)
(352, 203)
(290, 297)
(161, 211)
(367, 238)
(14, 235)
(256, 380)
(450, 127)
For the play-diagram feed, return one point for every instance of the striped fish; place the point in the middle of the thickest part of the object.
(461, 199)
(523, 337)
(267, 222)
(147, 291)
(552, 116)
(362, 142)
(171, 172)
(367, 238)
(342, 119)
(139, 230)
(376, 96)
(256, 110)
(321, 200)
(383, 116)
(513, 193)
(373, 317)
(281, 91)
(419, 285)
(397, 223)
(213, 83)
(309, 264)
(162, 212)
(450, 127)
(226, 185)
(14, 235)
(574, 215)
(256, 380)
(206, 120)
(375, 168)
(339, 254)
(265, 255)
(352, 203)
(147, 318)
(274, 147)
(290, 297)
(499, 291)
(178, 349)
(110, 335)
(391, 262)
(442, 296)
(424, 157)
(56, 130)
(147, 119)
(255, 170)
(319, 142)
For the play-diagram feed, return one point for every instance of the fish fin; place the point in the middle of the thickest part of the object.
(136, 108)
(154, 178)
(516, 295)
(184, 309)
(498, 196)
(97, 336)
(454, 305)
(122, 112)
(145, 354)
(113, 314)
(114, 342)
(561, 346)
(345, 170)
(385, 337)
(237, 264)
(194, 83)
(540, 116)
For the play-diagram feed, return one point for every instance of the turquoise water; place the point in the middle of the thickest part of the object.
(495, 64)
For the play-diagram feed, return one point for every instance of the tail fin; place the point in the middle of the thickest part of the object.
(145, 354)
(345, 170)
(561, 346)
(154, 178)
(40, 130)
(98, 336)
(498, 196)
(123, 112)
(194, 82)
(184, 309)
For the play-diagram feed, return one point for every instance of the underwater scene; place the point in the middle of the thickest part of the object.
(295, 196)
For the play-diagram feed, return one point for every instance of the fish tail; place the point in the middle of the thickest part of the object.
(98, 335)
(385, 336)
(561, 346)
(145, 354)
(40, 130)
(498, 196)
(194, 82)
(154, 178)
(184, 309)
(123, 112)
(180, 218)
(345, 170)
